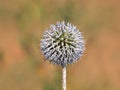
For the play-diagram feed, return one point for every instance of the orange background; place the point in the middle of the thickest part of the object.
(22, 64)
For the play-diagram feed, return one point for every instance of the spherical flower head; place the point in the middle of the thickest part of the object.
(62, 44)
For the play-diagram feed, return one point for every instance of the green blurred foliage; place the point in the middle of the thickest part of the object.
(1, 55)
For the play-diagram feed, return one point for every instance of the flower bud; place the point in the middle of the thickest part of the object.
(62, 44)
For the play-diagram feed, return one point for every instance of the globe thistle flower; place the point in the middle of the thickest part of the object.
(62, 44)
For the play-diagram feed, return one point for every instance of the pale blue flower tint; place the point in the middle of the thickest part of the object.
(62, 44)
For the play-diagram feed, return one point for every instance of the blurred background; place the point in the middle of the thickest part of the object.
(22, 64)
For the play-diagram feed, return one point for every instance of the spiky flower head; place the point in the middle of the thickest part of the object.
(62, 44)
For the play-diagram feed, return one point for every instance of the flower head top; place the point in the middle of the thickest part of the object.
(62, 44)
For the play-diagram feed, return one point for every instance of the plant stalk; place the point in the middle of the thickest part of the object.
(64, 78)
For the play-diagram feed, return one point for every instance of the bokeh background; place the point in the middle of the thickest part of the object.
(22, 64)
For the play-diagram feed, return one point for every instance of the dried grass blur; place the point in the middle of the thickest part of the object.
(22, 65)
